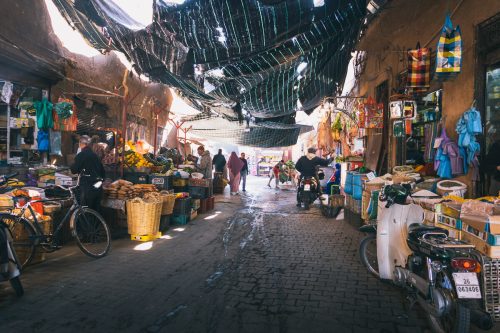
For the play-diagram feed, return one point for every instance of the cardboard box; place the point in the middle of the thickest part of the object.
(482, 246)
(449, 221)
(490, 224)
(451, 209)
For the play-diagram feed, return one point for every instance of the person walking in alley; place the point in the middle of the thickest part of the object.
(205, 166)
(219, 162)
(275, 174)
(234, 164)
(244, 171)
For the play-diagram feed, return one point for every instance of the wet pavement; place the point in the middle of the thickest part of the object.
(254, 264)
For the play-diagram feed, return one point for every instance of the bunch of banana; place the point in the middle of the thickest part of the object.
(133, 159)
(13, 182)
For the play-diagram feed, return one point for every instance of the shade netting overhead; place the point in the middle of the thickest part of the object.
(267, 58)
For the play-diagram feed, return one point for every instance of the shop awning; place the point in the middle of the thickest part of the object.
(268, 59)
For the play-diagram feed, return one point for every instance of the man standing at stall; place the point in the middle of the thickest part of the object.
(88, 164)
(205, 166)
(219, 162)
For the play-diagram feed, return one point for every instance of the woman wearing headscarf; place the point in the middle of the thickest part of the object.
(234, 164)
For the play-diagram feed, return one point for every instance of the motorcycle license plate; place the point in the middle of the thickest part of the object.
(307, 187)
(467, 285)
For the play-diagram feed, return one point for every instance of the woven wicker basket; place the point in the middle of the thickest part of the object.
(143, 216)
(168, 203)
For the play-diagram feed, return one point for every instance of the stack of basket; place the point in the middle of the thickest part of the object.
(143, 214)
(168, 200)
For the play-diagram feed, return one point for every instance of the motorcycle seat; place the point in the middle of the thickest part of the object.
(416, 231)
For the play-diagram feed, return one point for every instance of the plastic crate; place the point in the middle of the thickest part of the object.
(203, 206)
(180, 182)
(164, 222)
(211, 203)
(161, 182)
(200, 182)
(182, 206)
(180, 189)
(197, 192)
(180, 219)
(136, 177)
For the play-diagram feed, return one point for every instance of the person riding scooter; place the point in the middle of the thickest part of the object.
(307, 164)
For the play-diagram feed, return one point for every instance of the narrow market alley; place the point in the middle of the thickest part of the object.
(255, 264)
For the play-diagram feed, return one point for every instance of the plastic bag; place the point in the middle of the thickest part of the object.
(449, 51)
(55, 143)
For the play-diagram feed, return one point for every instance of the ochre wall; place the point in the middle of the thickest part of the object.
(401, 24)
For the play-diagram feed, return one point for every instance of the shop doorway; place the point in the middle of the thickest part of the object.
(382, 96)
(487, 93)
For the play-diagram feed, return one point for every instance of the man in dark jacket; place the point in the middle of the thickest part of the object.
(219, 161)
(307, 164)
(92, 172)
(244, 171)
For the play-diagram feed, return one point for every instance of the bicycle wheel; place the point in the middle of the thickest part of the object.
(23, 237)
(91, 233)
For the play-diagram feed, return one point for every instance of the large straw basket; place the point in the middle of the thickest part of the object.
(143, 216)
(168, 203)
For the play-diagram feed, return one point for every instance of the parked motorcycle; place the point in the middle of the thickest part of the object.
(439, 273)
(10, 268)
(308, 190)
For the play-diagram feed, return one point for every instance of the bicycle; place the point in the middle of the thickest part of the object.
(87, 226)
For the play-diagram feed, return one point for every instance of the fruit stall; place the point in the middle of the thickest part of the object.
(156, 192)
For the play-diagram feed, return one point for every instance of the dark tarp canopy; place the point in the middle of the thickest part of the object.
(268, 59)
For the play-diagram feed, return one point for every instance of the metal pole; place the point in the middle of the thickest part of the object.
(124, 119)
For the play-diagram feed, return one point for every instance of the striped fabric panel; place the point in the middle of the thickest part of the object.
(419, 68)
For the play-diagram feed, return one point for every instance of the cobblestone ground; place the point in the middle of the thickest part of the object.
(255, 264)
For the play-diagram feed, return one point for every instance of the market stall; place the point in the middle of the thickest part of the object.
(157, 191)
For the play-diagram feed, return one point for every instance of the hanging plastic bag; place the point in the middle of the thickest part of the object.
(55, 143)
(449, 51)
(419, 69)
(7, 92)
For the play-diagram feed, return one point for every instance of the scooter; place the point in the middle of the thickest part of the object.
(438, 272)
(10, 269)
(308, 189)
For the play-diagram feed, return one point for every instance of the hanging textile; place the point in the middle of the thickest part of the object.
(69, 124)
(468, 126)
(64, 108)
(419, 69)
(44, 114)
(449, 51)
(43, 140)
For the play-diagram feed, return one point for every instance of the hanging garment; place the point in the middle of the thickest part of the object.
(44, 114)
(451, 150)
(69, 124)
(43, 140)
(449, 51)
(64, 108)
(468, 126)
(419, 69)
